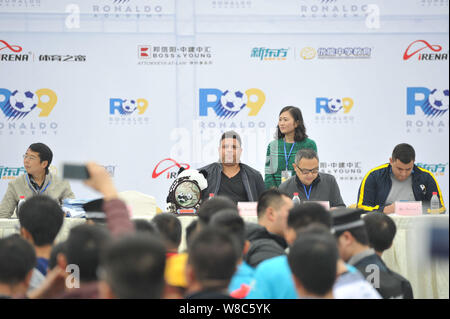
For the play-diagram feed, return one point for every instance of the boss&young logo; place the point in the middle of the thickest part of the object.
(426, 109)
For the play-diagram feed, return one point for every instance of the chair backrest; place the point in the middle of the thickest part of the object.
(140, 204)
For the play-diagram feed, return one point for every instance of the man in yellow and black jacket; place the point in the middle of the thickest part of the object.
(400, 179)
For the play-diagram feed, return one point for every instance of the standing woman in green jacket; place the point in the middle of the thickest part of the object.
(289, 139)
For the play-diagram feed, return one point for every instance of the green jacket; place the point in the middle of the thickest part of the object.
(276, 162)
(53, 186)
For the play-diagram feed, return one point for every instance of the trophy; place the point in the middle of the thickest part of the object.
(185, 193)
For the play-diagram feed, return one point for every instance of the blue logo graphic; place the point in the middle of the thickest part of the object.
(229, 103)
(334, 105)
(127, 106)
(18, 104)
(434, 103)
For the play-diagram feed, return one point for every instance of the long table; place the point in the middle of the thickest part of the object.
(407, 256)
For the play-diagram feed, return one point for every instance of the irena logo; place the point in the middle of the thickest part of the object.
(13, 48)
(172, 164)
(418, 46)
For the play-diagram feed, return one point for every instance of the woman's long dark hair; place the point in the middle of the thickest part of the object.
(300, 130)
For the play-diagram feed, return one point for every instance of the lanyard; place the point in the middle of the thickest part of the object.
(286, 157)
(306, 193)
(32, 188)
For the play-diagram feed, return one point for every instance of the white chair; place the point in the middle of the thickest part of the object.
(140, 204)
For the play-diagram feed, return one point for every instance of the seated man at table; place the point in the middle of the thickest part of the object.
(309, 183)
(231, 178)
(353, 244)
(37, 180)
(398, 180)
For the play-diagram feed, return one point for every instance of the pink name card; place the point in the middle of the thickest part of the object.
(247, 208)
(408, 208)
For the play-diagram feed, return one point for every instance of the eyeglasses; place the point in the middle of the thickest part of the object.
(233, 147)
(306, 171)
(31, 158)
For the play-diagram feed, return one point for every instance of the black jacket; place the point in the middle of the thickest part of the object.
(252, 179)
(377, 184)
(263, 245)
(391, 284)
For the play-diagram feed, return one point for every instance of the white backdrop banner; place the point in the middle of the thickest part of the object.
(135, 84)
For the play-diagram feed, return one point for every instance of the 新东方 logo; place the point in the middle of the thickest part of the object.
(169, 164)
(434, 102)
(11, 172)
(431, 51)
(437, 169)
(227, 104)
(18, 104)
(267, 54)
(334, 105)
(127, 106)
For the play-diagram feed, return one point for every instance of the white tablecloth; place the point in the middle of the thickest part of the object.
(429, 278)
(409, 256)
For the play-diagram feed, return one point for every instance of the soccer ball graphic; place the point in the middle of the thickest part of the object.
(334, 105)
(23, 102)
(128, 106)
(233, 101)
(439, 99)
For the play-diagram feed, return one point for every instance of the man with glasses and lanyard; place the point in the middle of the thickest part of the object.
(37, 180)
(309, 184)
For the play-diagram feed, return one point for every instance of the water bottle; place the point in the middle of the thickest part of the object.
(296, 199)
(434, 204)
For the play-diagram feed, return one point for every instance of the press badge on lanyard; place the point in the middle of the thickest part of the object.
(38, 191)
(286, 174)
